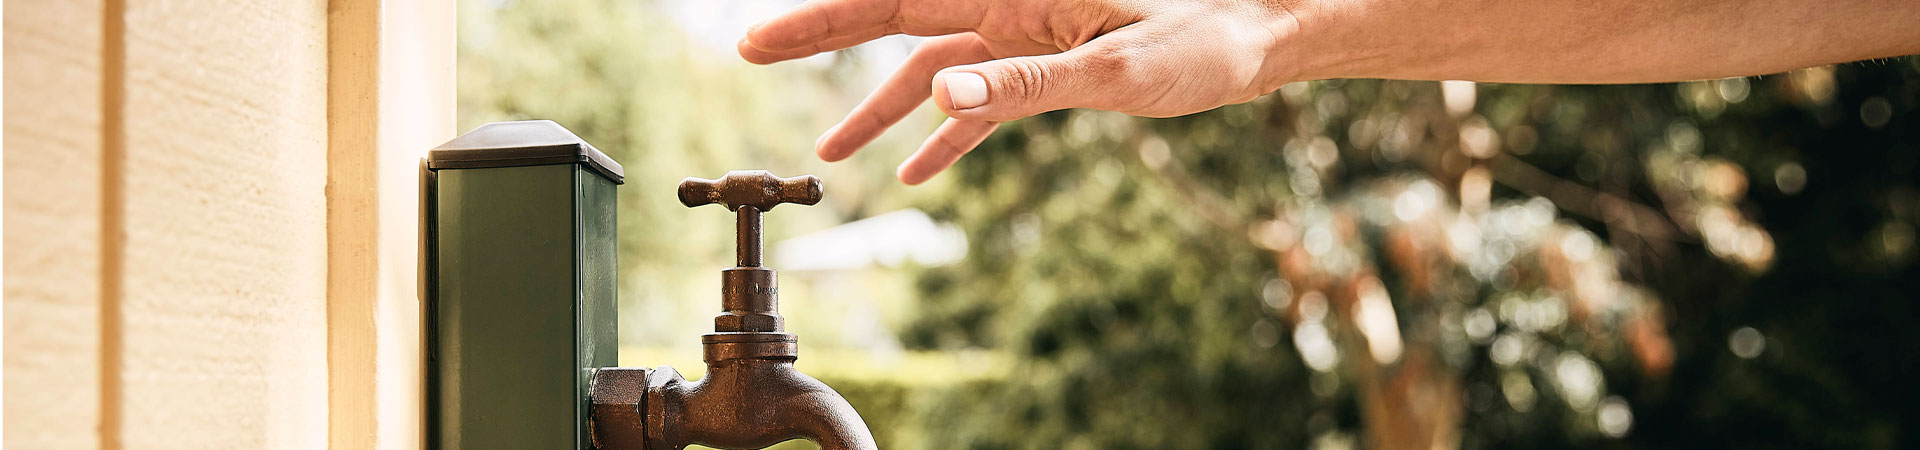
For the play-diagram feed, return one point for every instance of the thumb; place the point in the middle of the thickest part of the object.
(1012, 88)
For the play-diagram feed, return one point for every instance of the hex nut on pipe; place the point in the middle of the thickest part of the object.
(617, 416)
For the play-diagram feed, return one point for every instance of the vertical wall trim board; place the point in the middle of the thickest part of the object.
(353, 188)
(113, 152)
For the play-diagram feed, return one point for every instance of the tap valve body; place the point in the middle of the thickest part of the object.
(749, 293)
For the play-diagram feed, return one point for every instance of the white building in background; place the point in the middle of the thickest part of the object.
(884, 241)
(842, 285)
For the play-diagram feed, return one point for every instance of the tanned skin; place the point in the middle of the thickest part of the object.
(998, 60)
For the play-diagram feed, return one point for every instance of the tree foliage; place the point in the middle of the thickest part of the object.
(1359, 263)
(1390, 265)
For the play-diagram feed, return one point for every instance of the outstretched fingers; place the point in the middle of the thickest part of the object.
(955, 137)
(899, 95)
(957, 71)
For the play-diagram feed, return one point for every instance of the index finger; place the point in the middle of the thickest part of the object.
(819, 21)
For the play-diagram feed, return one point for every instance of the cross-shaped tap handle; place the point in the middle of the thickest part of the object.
(748, 193)
(756, 188)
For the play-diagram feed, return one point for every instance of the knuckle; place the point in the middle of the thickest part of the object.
(1114, 63)
(1125, 69)
(1023, 79)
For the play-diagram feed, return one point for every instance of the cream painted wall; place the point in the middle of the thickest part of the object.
(210, 215)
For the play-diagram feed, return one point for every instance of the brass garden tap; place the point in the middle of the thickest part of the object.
(752, 396)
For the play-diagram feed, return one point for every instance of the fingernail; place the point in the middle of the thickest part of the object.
(966, 90)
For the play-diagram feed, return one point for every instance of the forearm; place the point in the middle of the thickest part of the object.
(1570, 41)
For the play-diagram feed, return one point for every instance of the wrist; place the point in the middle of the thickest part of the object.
(1314, 41)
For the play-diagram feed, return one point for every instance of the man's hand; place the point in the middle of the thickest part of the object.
(999, 60)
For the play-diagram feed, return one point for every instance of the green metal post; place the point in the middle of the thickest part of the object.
(519, 287)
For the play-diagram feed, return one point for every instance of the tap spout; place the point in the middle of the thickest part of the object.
(750, 403)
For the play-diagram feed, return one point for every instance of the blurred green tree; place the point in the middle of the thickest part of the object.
(1370, 264)
(1419, 265)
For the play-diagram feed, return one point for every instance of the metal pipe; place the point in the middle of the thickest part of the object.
(747, 241)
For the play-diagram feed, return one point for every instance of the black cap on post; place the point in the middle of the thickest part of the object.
(522, 143)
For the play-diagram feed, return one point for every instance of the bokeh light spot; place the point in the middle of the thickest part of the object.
(1746, 342)
(1377, 322)
(1578, 379)
(1875, 112)
(1615, 418)
(1458, 95)
(1790, 178)
(1479, 325)
(1316, 347)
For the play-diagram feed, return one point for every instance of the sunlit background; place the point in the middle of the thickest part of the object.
(1341, 264)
